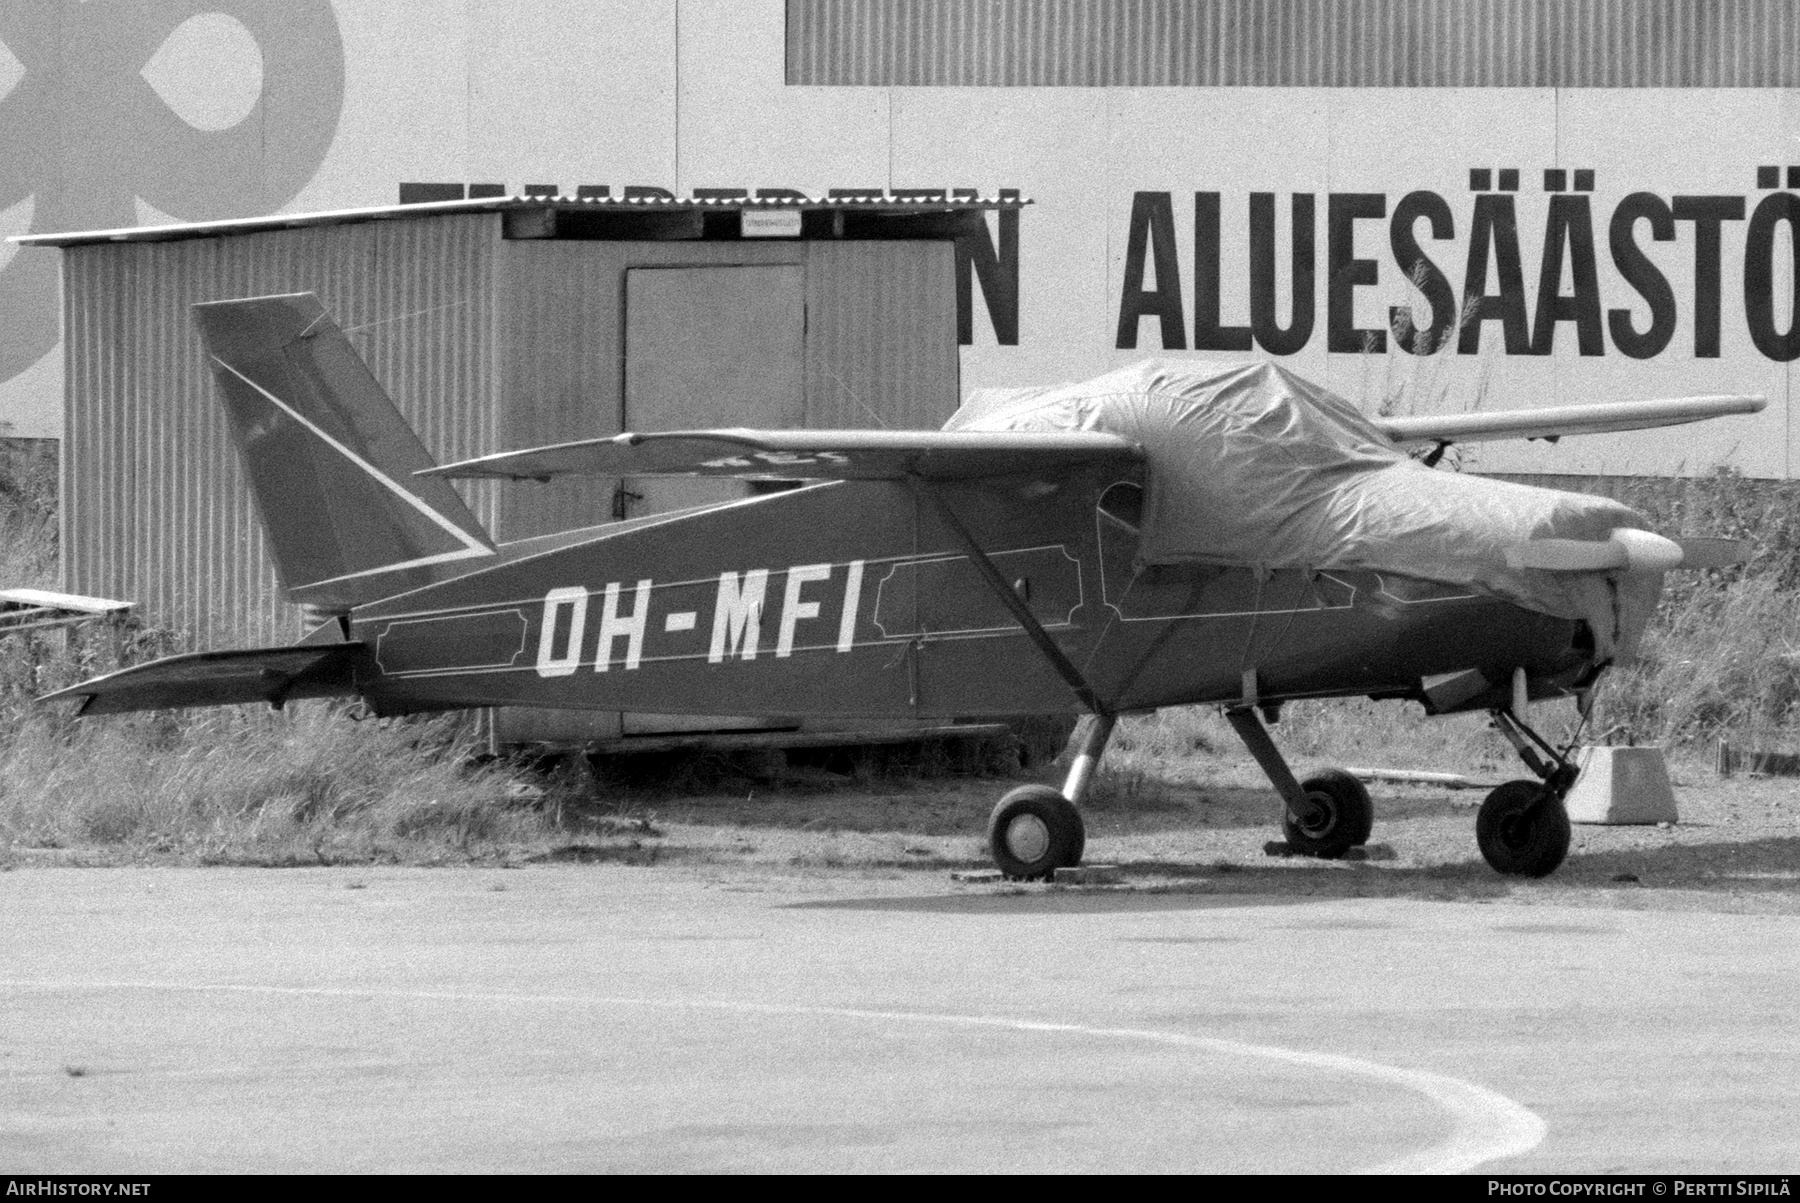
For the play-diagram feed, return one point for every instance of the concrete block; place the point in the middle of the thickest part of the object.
(1087, 875)
(1621, 785)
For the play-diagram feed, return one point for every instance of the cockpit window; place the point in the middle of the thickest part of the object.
(1124, 502)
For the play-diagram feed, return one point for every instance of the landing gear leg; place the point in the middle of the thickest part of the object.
(1522, 827)
(1326, 815)
(1093, 746)
(1035, 830)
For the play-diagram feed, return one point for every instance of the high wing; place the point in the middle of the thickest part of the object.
(950, 455)
(1553, 423)
(804, 455)
(272, 675)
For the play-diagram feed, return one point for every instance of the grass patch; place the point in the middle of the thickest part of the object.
(238, 784)
(306, 786)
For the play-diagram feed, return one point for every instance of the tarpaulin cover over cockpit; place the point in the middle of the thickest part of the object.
(1252, 465)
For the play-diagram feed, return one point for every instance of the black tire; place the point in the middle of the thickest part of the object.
(1034, 831)
(1337, 818)
(1523, 829)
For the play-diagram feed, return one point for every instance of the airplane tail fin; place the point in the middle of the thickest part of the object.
(329, 458)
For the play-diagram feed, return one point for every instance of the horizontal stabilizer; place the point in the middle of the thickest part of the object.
(1625, 550)
(73, 602)
(272, 675)
(1554, 422)
(36, 609)
(805, 455)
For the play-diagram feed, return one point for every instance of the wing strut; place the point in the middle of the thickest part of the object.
(1013, 602)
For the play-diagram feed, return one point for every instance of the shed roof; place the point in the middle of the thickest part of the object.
(845, 214)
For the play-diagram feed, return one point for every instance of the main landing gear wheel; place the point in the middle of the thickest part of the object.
(1335, 817)
(1034, 831)
(1523, 829)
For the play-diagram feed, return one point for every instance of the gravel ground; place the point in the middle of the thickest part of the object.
(1208, 827)
(1735, 848)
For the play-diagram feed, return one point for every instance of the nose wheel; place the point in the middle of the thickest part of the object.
(1522, 828)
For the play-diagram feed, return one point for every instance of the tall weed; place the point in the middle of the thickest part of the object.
(241, 784)
(1721, 658)
(1720, 662)
(28, 532)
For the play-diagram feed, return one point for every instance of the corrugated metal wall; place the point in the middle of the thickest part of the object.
(1295, 43)
(880, 346)
(881, 335)
(562, 340)
(154, 506)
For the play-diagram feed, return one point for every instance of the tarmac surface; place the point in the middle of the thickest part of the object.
(608, 1018)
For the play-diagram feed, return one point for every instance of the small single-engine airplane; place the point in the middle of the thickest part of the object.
(1175, 532)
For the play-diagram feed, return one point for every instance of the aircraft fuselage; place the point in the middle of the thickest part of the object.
(854, 598)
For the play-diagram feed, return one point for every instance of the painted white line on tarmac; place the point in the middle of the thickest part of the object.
(1486, 1125)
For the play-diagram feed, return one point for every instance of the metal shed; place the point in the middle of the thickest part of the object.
(494, 323)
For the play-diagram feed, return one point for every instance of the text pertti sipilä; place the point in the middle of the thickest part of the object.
(1561, 1188)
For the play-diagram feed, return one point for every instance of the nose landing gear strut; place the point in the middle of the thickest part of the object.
(1522, 827)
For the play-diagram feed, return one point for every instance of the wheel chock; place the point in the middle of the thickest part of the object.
(1087, 875)
(1621, 786)
(978, 876)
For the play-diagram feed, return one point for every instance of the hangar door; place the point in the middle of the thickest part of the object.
(707, 347)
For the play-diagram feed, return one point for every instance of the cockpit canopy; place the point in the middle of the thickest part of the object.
(1251, 464)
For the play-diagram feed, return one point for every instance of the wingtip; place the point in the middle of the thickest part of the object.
(1729, 403)
(81, 691)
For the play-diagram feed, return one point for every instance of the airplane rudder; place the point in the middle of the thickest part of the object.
(329, 457)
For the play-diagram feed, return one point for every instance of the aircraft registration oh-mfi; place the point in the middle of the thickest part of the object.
(1175, 532)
